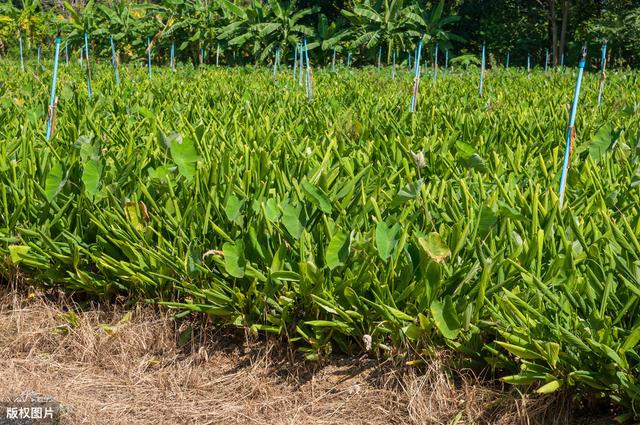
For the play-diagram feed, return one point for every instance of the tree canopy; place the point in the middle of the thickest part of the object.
(251, 30)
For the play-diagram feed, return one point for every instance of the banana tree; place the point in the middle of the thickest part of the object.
(8, 25)
(243, 30)
(32, 23)
(329, 36)
(186, 24)
(283, 27)
(431, 24)
(151, 22)
(119, 22)
(83, 26)
(383, 23)
(83, 20)
(208, 21)
(194, 25)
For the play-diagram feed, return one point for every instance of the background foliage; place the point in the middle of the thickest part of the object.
(248, 31)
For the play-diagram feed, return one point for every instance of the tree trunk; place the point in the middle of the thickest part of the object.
(553, 20)
(563, 29)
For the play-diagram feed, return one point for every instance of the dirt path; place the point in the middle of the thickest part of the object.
(112, 367)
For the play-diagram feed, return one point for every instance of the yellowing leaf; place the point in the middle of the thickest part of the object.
(550, 387)
(434, 247)
(18, 252)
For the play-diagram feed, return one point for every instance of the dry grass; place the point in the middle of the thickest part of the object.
(133, 372)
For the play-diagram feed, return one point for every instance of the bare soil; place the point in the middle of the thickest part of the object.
(107, 365)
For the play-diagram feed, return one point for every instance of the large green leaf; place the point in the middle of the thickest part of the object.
(408, 192)
(234, 260)
(600, 142)
(233, 209)
(387, 239)
(92, 166)
(91, 173)
(56, 179)
(446, 318)
(271, 210)
(184, 154)
(470, 157)
(294, 220)
(338, 250)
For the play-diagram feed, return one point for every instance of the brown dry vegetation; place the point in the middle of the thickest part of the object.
(134, 372)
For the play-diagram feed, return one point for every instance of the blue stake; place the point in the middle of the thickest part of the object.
(528, 62)
(379, 57)
(113, 60)
(333, 61)
(173, 55)
(482, 68)
(603, 73)
(21, 58)
(572, 120)
(435, 64)
(218, 55)
(508, 57)
(300, 64)
(306, 53)
(546, 60)
(349, 59)
(446, 59)
(295, 62)
(275, 64)
(416, 78)
(52, 98)
(562, 60)
(149, 55)
(38, 56)
(86, 48)
(393, 67)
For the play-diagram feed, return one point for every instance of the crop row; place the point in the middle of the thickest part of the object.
(346, 223)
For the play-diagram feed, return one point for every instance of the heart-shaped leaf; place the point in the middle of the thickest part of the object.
(338, 250)
(233, 209)
(446, 318)
(234, 260)
(294, 220)
(410, 191)
(91, 174)
(56, 180)
(184, 154)
(387, 239)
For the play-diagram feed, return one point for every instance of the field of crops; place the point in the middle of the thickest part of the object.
(344, 224)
